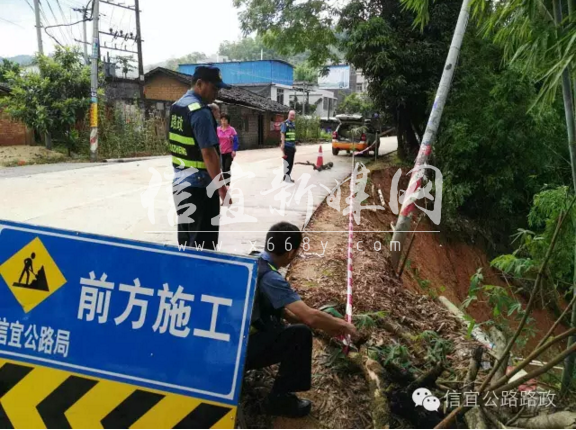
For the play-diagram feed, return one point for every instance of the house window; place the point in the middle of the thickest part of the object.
(280, 95)
(359, 87)
(325, 101)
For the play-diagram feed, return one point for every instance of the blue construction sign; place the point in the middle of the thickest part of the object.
(171, 323)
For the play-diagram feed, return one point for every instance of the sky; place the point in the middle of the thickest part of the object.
(170, 28)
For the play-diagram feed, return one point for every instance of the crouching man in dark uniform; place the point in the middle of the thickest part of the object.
(271, 340)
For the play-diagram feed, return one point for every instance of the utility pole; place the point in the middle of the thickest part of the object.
(139, 44)
(47, 137)
(85, 36)
(38, 27)
(403, 224)
(94, 84)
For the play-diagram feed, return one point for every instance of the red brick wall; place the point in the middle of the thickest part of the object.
(164, 88)
(13, 132)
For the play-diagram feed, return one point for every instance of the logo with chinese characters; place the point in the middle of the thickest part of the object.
(32, 275)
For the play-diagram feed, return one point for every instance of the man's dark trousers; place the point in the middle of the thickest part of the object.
(291, 347)
(289, 151)
(195, 228)
(227, 166)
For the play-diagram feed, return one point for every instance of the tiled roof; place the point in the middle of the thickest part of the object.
(234, 95)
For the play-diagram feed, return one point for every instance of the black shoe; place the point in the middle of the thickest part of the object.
(288, 405)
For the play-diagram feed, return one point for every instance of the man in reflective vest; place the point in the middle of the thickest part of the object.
(288, 145)
(196, 160)
(273, 341)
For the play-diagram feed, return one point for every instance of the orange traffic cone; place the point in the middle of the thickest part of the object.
(320, 159)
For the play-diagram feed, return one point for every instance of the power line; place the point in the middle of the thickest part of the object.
(28, 3)
(64, 19)
(11, 22)
(62, 34)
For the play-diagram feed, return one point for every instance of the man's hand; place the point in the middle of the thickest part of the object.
(320, 320)
(223, 192)
(233, 154)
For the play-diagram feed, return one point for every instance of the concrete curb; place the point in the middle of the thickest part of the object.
(129, 160)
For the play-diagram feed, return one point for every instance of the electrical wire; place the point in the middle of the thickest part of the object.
(11, 22)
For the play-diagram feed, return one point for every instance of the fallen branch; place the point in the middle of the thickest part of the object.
(559, 420)
(531, 357)
(515, 417)
(427, 378)
(531, 302)
(473, 368)
(375, 376)
(493, 418)
(500, 349)
(541, 370)
(452, 415)
(399, 332)
(474, 419)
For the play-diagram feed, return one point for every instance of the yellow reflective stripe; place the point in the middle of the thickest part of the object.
(272, 267)
(194, 106)
(181, 139)
(290, 135)
(188, 163)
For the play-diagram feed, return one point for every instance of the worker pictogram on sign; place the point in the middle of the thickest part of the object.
(32, 275)
(41, 397)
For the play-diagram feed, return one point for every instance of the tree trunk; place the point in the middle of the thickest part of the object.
(568, 98)
(559, 420)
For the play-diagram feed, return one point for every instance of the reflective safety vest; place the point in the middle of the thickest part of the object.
(290, 131)
(183, 146)
(264, 316)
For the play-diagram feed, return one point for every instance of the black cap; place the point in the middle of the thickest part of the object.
(210, 74)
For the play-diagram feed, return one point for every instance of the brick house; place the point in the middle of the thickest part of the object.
(255, 118)
(12, 132)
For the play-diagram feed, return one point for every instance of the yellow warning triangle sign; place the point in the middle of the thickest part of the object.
(32, 275)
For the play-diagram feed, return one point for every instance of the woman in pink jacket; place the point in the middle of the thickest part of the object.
(228, 145)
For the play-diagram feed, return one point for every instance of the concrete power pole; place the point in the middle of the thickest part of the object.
(403, 224)
(94, 83)
(139, 42)
(85, 36)
(47, 137)
(38, 26)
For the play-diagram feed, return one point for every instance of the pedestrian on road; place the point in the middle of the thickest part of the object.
(196, 159)
(228, 145)
(288, 145)
(271, 340)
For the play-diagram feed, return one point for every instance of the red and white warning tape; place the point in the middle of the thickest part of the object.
(350, 244)
(348, 317)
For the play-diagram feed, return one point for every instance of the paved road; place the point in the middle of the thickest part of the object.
(133, 200)
(34, 169)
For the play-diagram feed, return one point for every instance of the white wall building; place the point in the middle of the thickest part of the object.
(324, 100)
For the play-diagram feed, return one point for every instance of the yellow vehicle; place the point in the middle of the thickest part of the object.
(352, 134)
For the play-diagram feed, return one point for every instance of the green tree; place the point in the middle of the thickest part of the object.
(356, 104)
(375, 36)
(539, 37)
(6, 67)
(306, 73)
(126, 64)
(194, 57)
(494, 152)
(248, 49)
(54, 100)
(293, 28)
